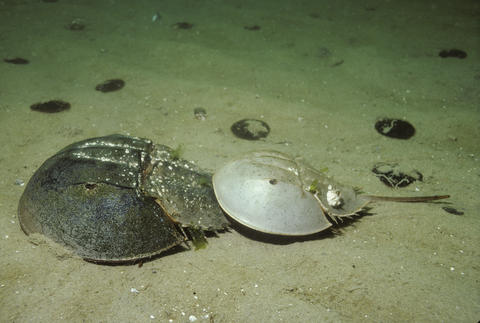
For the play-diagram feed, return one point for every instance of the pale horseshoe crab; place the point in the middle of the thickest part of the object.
(274, 193)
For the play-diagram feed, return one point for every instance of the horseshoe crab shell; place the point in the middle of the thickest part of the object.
(274, 193)
(271, 192)
(117, 199)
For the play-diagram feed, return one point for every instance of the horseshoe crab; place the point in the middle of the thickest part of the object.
(118, 199)
(273, 193)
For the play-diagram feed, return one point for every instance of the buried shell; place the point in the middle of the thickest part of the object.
(273, 193)
(118, 198)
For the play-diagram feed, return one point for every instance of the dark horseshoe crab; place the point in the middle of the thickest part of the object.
(118, 199)
(274, 193)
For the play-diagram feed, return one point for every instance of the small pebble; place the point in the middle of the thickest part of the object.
(182, 25)
(200, 113)
(76, 24)
(110, 85)
(16, 60)
(452, 210)
(51, 106)
(156, 17)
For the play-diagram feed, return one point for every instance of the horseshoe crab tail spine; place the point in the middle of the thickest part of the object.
(410, 199)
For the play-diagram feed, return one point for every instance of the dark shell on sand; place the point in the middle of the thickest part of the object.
(118, 199)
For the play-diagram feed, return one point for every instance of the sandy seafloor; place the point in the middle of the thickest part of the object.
(406, 262)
